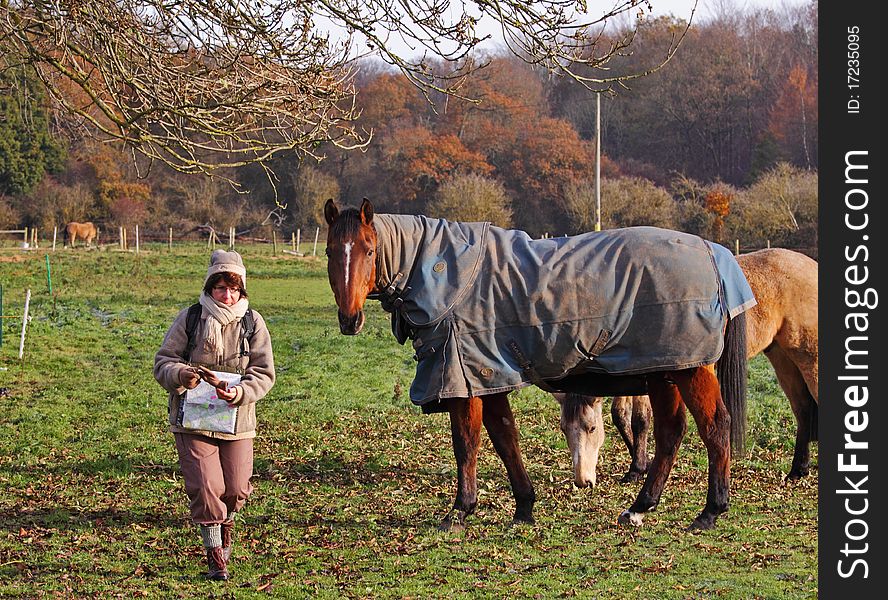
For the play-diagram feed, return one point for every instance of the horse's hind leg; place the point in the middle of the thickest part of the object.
(670, 426)
(465, 428)
(803, 407)
(500, 425)
(641, 424)
(633, 427)
(700, 391)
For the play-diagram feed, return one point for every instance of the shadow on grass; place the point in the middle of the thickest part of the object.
(111, 465)
(67, 518)
(338, 471)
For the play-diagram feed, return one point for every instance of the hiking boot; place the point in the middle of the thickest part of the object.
(227, 530)
(218, 569)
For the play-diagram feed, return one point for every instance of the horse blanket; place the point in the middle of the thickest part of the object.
(492, 310)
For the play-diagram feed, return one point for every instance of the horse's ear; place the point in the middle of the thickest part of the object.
(366, 212)
(330, 211)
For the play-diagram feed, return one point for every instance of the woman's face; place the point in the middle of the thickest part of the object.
(225, 294)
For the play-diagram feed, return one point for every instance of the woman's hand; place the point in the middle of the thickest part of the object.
(188, 378)
(227, 394)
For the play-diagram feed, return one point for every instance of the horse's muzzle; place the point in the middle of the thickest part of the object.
(351, 325)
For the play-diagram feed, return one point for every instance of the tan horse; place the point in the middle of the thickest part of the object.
(86, 231)
(783, 325)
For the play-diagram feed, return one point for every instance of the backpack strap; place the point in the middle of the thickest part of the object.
(190, 327)
(248, 326)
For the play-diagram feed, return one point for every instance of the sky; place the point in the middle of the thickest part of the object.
(705, 9)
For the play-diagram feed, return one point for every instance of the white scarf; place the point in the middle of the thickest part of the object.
(219, 315)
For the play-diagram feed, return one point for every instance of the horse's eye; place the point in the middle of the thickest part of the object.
(369, 252)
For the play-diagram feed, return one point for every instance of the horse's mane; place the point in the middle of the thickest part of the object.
(347, 224)
(573, 403)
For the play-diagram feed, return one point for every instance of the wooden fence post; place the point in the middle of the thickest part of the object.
(314, 251)
(137, 239)
(55, 231)
(274, 243)
(170, 242)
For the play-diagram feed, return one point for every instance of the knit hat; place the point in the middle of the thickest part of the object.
(226, 262)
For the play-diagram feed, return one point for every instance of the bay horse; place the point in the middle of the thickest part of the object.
(85, 231)
(431, 275)
(783, 325)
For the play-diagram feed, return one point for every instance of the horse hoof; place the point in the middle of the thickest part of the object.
(630, 518)
(523, 520)
(451, 527)
(795, 475)
(702, 523)
(632, 477)
(453, 523)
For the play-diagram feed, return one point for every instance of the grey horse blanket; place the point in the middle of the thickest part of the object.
(492, 310)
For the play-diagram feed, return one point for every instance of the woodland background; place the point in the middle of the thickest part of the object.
(721, 142)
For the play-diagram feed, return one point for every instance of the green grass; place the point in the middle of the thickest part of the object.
(351, 480)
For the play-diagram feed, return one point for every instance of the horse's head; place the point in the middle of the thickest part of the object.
(583, 427)
(351, 264)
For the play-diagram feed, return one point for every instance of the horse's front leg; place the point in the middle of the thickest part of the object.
(500, 425)
(670, 426)
(465, 428)
(700, 390)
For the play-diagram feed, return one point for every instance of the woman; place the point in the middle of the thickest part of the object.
(217, 464)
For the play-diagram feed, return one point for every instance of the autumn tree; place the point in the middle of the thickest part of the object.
(718, 203)
(793, 118)
(707, 113)
(419, 161)
(545, 153)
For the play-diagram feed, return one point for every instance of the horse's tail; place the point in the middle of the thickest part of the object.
(731, 371)
(813, 419)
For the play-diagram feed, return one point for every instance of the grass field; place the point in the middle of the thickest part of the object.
(351, 480)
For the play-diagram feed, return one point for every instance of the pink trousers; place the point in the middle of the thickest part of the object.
(217, 475)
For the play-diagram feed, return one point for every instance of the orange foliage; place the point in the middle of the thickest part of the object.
(113, 185)
(422, 160)
(718, 202)
(389, 101)
(793, 119)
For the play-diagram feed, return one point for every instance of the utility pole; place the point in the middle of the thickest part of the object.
(598, 161)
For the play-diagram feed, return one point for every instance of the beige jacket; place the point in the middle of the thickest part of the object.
(257, 367)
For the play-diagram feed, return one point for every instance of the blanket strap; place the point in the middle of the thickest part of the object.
(527, 368)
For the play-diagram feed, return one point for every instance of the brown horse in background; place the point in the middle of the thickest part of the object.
(85, 231)
(783, 325)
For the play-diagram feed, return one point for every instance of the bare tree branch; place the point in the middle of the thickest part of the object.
(204, 85)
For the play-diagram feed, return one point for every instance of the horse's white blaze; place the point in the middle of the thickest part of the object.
(348, 255)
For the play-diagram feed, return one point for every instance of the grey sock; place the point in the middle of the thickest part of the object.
(212, 535)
